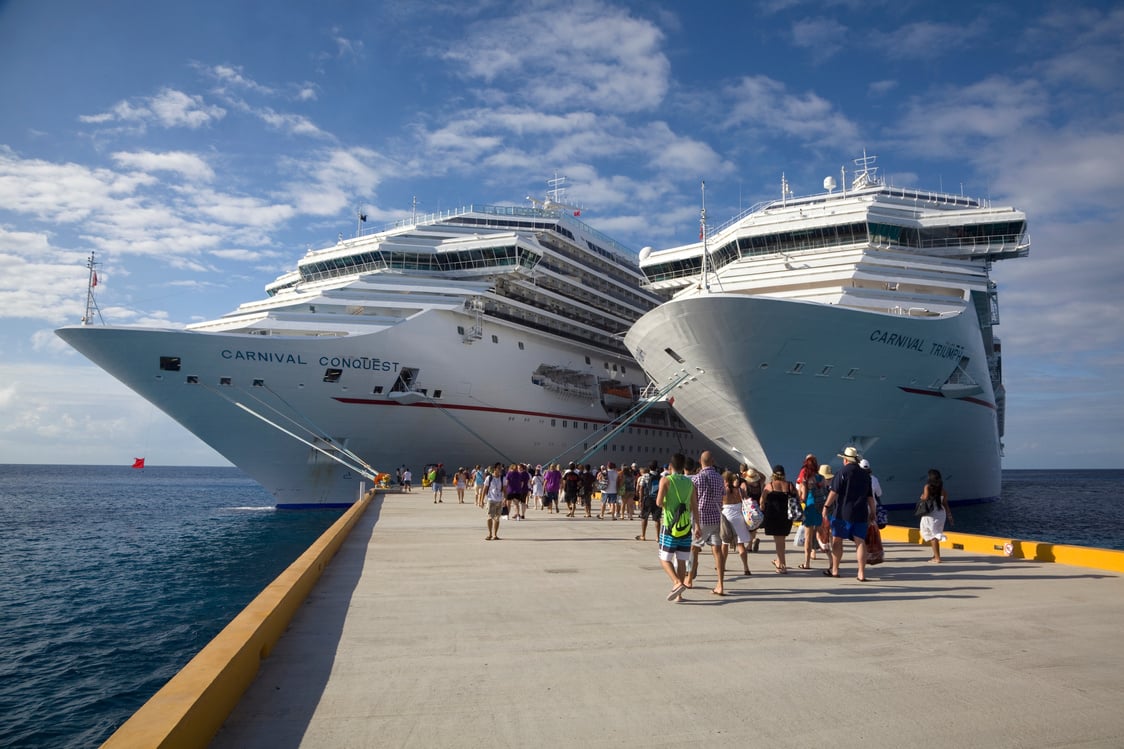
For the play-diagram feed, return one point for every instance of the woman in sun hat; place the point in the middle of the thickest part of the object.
(751, 484)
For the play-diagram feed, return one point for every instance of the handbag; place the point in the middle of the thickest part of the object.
(881, 517)
(924, 507)
(794, 511)
(752, 514)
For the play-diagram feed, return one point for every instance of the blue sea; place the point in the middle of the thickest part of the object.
(112, 579)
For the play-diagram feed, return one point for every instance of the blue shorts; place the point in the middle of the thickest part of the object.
(610, 499)
(843, 529)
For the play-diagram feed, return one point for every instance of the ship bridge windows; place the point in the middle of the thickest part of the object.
(170, 363)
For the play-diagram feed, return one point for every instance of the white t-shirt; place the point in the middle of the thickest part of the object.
(493, 488)
(611, 477)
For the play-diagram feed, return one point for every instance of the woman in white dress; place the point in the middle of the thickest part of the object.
(937, 512)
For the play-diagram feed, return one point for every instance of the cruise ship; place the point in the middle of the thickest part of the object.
(488, 333)
(860, 316)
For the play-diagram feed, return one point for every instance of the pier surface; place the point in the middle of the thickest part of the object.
(422, 634)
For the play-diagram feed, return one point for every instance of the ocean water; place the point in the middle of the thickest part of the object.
(1079, 508)
(111, 579)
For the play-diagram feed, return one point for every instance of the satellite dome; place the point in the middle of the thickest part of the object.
(829, 183)
(645, 252)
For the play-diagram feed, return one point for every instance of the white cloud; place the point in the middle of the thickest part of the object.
(569, 55)
(766, 107)
(169, 108)
(187, 164)
(822, 36)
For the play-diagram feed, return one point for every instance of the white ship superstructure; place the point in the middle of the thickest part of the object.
(489, 333)
(863, 316)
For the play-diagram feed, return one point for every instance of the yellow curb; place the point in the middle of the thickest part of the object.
(1108, 560)
(191, 707)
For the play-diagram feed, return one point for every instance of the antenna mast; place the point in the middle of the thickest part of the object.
(91, 282)
(704, 282)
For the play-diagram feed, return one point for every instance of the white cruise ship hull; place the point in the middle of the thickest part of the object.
(775, 379)
(261, 401)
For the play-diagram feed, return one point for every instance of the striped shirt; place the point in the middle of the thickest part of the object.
(711, 491)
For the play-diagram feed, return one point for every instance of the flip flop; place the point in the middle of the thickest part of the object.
(804, 566)
(828, 573)
(715, 592)
(676, 592)
(863, 579)
(780, 570)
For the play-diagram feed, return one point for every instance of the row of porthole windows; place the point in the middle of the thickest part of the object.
(612, 366)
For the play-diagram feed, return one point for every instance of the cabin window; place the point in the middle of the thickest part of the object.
(521, 345)
(495, 339)
(259, 383)
(850, 373)
(170, 363)
(377, 390)
(224, 381)
(192, 380)
(332, 375)
(460, 330)
(826, 370)
(674, 355)
(797, 368)
(436, 393)
(587, 361)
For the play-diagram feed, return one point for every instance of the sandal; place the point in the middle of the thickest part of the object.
(829, 573)
(780, 570)
(804, 566)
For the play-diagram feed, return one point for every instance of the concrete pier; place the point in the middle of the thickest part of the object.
(422, 634)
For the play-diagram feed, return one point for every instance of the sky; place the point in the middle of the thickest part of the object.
(199, 149)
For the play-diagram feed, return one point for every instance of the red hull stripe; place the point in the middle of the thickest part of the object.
(939, 394)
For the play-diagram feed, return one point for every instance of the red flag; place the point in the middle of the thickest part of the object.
(577, 213)
(138, 462)
(94, 282)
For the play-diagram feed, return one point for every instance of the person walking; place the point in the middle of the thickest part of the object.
(648, 488)
(710, 490)
(937, 512)
(610, 497)
(460, 482)
(494, 494)
(677, 499)
(852, 505)
(551, 486)
(734, 530)
(571, 487)
(437, 480)
(812, 489)
(478, 477)
(407, 480)
(774, 504)
(875, 554)
(537, 483)
(751, 485)
(514, 490)
(585, 491)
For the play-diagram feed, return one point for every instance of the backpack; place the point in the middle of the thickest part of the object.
(680, 525)
(653, 486)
